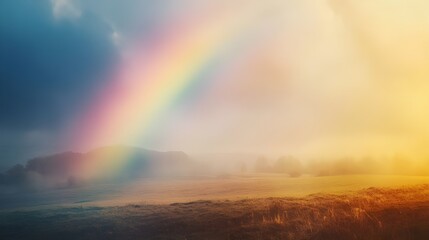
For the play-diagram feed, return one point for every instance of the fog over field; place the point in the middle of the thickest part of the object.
(168, 177)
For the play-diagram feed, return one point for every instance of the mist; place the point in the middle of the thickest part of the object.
(329, 80)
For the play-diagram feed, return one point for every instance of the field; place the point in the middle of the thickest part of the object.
(245, 207)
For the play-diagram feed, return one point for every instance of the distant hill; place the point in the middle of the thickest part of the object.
(99, 164)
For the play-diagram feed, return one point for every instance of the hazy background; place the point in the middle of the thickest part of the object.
(329, 79)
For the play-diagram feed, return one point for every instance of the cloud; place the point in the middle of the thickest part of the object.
(49, 69)
(65, 9)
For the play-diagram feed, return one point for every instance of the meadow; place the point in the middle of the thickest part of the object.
(186, 189)
(237, 207)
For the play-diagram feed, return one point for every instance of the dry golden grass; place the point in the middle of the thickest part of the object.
(373, 213)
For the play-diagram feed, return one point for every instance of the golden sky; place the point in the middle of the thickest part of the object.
(337, 77)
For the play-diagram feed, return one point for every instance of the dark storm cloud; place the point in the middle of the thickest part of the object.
(48, 66)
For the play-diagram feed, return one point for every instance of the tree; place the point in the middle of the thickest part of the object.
(261, 165)
(16, 175)
(288, 165)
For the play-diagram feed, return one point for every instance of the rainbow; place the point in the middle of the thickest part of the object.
(150, 81)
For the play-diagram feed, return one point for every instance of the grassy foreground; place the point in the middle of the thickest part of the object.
(373, 213)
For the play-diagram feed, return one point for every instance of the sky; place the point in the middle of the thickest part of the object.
(312, 78)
